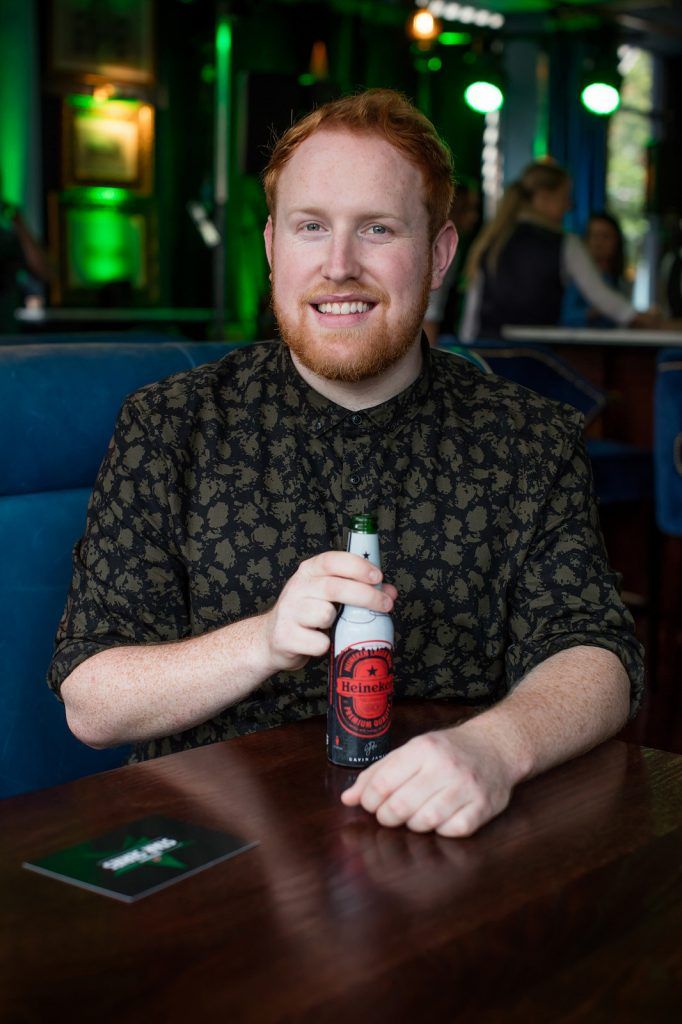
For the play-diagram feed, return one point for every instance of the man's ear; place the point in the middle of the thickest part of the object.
(443, 252)
(267, 235)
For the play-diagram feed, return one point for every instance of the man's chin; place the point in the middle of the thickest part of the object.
(345, 368)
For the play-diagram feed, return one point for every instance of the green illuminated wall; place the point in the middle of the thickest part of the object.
(19, 108)
(104, 245)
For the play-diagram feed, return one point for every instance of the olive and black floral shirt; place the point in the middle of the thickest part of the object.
(219, 481)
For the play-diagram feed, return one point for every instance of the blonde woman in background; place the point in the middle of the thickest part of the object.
(522, 261)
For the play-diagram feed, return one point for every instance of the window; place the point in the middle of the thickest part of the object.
(629, 134)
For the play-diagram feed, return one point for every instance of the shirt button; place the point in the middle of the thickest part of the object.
(355, 479)
(318, 424)
(356, 418)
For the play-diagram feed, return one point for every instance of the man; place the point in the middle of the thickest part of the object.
(213, 564)
(443, 311)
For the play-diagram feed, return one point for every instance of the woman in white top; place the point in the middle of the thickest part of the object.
(521, 262)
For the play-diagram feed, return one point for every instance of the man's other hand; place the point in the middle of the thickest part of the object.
(296, 627)
(450, 782)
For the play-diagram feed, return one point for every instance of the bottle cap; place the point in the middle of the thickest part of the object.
(366, 523)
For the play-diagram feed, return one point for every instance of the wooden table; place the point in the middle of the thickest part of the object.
(568, 907)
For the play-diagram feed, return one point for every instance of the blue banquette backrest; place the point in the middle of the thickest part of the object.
(58, 405)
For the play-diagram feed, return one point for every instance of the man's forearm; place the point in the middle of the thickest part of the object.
(565, 706)
(129, 694)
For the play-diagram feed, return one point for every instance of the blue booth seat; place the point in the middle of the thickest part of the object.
(58, 406)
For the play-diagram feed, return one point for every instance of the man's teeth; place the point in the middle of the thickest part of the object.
(341, 308)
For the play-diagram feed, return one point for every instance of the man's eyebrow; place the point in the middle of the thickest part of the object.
(314, 212)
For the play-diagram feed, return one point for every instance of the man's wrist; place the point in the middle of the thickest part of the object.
(499, 728)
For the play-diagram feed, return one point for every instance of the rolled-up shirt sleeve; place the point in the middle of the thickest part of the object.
(565, 595)
(578, 267)
(129, 582)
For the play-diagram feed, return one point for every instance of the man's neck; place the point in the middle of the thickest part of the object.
(367, 393)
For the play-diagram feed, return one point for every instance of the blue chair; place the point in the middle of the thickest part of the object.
(58, 405)
(622, 472)
(668, 490)
(539, 369)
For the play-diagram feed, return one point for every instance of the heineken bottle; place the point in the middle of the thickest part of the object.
(360, 669)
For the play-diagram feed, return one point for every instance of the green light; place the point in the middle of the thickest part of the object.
(16, 85)
(434, 64)
(223, 39)
(223, 99)
(83, 102)
(483, 97)
(454, 38)
(109, 195)
(97, 195)
(104, 246)
(600, 98)
(307, 79)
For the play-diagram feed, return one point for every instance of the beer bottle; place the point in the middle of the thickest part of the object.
(360, 669)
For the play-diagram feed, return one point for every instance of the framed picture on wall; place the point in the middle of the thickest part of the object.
(106, 251)
(109, 143)
(107, 38)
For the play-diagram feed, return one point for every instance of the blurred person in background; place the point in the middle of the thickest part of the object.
(522, 261)
(605, 244)
(444, 309)
(670, 277)
(24, 266)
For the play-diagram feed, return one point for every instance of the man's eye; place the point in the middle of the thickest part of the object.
(312, 226)
(378, 229)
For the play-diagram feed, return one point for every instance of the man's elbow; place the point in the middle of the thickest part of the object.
(86, 730)
(86, 724)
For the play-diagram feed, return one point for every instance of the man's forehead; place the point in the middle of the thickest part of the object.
(330, 159)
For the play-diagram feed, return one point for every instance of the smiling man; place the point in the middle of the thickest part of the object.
(212, 564)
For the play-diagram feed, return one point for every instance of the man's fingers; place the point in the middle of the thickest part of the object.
(464, 822)
(314, 614)
(343, 591)
(438, 809)
(341, 563)
(380, 780)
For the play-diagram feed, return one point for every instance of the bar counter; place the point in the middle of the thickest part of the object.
(606, 336)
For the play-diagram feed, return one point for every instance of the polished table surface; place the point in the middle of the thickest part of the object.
(568, 907)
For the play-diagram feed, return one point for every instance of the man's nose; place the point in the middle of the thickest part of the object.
(341, 258)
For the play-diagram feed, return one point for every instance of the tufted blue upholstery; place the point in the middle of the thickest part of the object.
(668, 441)
(58, 405)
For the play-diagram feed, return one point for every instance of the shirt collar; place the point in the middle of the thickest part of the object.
(317, 415)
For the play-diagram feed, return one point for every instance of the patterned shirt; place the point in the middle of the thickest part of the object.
(219, 481)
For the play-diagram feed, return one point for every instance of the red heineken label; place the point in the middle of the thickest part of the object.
(361, 700)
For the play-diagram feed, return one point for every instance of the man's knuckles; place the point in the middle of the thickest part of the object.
(394, 811)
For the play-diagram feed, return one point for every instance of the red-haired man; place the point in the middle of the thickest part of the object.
(213, 564)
